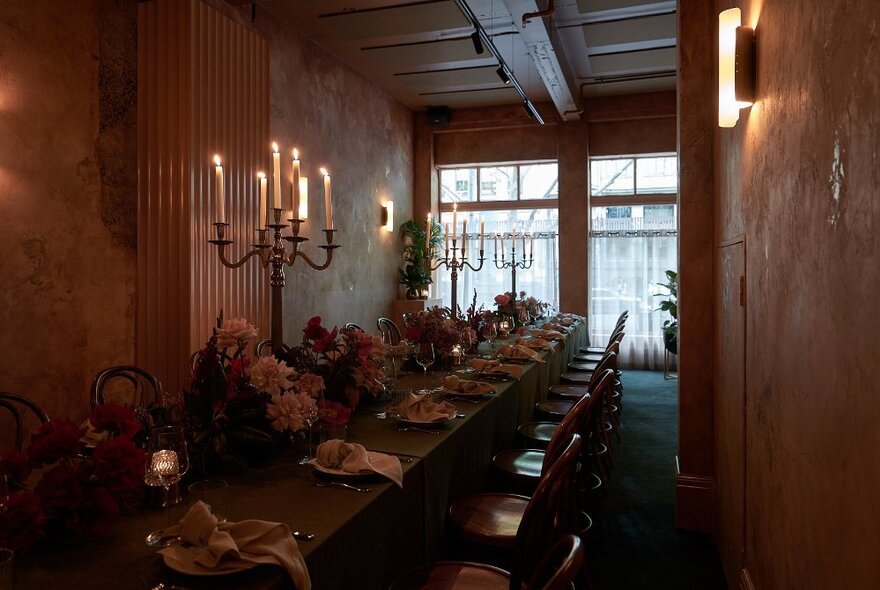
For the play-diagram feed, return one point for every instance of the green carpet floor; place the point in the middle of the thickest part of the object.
(634, 543)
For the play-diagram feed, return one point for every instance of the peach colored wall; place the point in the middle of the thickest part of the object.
(67, 197)
(800, 176)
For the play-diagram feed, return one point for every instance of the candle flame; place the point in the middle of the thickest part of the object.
(274, 147)
(261, 174)
(217, 160)
(295, 154)
(325, 172)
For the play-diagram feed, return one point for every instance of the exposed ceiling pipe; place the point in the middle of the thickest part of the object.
(539, 14)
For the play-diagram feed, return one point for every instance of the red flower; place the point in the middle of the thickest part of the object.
(95, 514)
(502, 300)
(119, 465)
(55, 440)
(14, 465)
(119, 420)
(236, 378)
(335, 412)
(60, 488)
(21, 524)
(412, 333)
(314, 330)
(325, 342)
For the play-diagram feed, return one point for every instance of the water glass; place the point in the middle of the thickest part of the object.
(6, 556)
(212, 492)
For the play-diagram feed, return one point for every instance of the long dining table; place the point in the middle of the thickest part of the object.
(362, 540)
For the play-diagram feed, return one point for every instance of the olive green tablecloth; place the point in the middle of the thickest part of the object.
(361, 540)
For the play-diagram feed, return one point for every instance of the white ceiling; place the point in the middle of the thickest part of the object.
(421, 52)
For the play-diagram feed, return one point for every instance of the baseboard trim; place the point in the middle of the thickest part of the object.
(694, 502)
(745, 580)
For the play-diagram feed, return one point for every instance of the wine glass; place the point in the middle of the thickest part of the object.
(425, 357)
(167, 462)
(491, 332)
(386, 380)
(310, 416)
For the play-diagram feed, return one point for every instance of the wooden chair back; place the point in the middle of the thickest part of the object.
(131, 386)
(560, 566)
(390, 331)
(19, 408)
(353, 326)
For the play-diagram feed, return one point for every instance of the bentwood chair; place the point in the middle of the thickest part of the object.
(619, 325)
(129, 386)
(353, 326)
(542, 525)
(390, 331)
(19, 408)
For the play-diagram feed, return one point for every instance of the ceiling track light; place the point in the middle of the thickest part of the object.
(504, 72)
(478, 44)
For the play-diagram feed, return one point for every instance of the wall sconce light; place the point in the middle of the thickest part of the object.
(388, 216)
(736, 67)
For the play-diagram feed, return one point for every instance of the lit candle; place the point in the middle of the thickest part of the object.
(164, 463)
(502, 246)
(482, 234)
(496, 246)
(428, 228)
(513, 241)
(532, 246)
(276, 176)
(303, 197)
(218, 189)
(524, 245)
(454, 217)
(464, 239)
(328, 203)
(296, 196)
(447, 240)
(264, 186)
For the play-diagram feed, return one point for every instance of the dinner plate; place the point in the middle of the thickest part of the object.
(194, 569)
(500, 376)
(417, 423)
(342, 473)
(517, 360)
(455, 393)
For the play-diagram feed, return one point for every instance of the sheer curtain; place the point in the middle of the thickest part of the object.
(627, 262)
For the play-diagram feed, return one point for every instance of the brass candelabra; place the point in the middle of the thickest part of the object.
(276, 255)
(513, 264)
(456, 264)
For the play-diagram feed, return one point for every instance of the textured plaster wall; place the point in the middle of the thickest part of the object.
(67, 197)
(346, 123)
(800, 177)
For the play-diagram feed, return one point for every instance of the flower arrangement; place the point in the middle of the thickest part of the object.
(519, 308)
(437, 325)
(83, 496)
(235, 407)
(345, 364)
(476, 320)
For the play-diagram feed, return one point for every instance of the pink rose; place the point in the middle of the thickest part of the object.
(234, 331)
(502, 300)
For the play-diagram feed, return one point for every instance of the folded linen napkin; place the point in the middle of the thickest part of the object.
(230, 546)
(496, 367)
(354, 458)
(566, 321)
(535, 343)
(517, 351)
(549, 334)
(420, 408)
(455, 383)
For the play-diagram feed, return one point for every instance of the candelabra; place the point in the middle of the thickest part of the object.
(276, 255)
(456, 264)
(512, 264)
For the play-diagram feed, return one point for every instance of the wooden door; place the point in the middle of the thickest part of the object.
(730, 410)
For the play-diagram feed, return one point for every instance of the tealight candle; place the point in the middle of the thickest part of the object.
(164, 463)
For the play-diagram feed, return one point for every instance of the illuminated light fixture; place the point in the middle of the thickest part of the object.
(388, 216)
(736, 67)
(503, 75)
(478, 44)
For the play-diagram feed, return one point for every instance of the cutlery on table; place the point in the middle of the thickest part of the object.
(414, 429)
(339, 484)
(302, 536)
(460, 415)
(464, 399)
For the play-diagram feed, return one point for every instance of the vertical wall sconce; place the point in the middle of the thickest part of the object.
(388, 215)
(736, 67)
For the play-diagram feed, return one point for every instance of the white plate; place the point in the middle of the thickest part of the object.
(194, 569)
(455, 393)
(437, 422)
(374, 458)
(517, 360)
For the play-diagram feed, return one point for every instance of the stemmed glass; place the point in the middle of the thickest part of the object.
(491, 332)
(387, 380)
(425, 358)
(167, 462)
(310, 416)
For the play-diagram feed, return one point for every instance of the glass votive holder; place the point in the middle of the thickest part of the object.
(212, 492)
(6, 557)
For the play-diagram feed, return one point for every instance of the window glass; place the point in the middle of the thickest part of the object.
(498, 183)
(612, 177)
(634, 218)
(458, 185)
(657, 175)
(539, 181)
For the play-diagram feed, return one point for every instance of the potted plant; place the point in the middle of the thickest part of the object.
(416, 273)
(670, 304)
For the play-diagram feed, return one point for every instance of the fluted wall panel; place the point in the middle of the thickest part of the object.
(203, 89)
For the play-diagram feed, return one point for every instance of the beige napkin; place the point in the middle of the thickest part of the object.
(566, 321)
(517, 351)
(454, 383)
(419, 408)
(354, 458)
(536, 343)
(496, 367)
(230, 546)
(549, 334)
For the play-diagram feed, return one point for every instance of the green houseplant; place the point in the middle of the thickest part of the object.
(670, 304)
(416, 274)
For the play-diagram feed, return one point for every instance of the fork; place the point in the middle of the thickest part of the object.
(339, 484)
(414, 429)
(465, 399)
